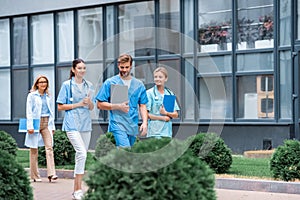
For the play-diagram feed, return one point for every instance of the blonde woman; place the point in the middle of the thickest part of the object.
(160, 121)
(39, 105)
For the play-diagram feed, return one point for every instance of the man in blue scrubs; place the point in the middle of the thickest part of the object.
(123, 117)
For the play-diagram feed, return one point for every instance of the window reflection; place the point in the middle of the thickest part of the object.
(4, 41)
(42, 39)
(90, 34)
(255, 24)
(5, 97)
(215, 28)
(134, 18)
(215, 98)
(20, 41)
(256, 97)
(65, 36)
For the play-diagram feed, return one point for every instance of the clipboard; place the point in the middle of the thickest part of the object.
(169, 102)
(23, 125)
(118, 93)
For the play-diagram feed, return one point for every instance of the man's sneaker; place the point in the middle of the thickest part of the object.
(77, 195)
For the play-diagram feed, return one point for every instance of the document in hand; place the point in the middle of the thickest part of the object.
(118, 93)
(169, 102)
(23, 125)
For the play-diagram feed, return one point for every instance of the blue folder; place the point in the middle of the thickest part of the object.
(23, 125)
(169, 102)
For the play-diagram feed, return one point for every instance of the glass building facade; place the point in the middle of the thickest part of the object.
(232, 64)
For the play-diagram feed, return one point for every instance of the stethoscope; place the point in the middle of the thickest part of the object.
(155, 95)
(71, 94)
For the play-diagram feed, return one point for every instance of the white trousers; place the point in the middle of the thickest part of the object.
(80, 142)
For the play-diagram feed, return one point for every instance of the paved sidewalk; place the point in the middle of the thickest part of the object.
(226, 188)
(62, 190)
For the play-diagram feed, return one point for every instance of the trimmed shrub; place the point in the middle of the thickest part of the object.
(64, 153)
(211, 148)
(105, 144)
(117, 177)
(8, 143)
(14, 180)
(285, 161)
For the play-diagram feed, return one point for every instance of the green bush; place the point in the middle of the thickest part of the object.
(285, 161)
(119, 175)
(212, 149)
(8, 143)
(105, 144)
(64, 153)
(14, 180)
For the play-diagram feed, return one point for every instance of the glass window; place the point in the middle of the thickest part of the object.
(136, 22)
(169, 22)
(42, 39)
(143, 70)
(90, 33)
(5, 97)
(256, 97)
(5, 43)
(215, 28)
(65, 44)
(20, 41)
(62, 75)
(20, 92)
(215, 97)
(189, 26)
(255, 24)
(110, 40)
(255, 62)
(188, 109)
(285, 85)
(215, 64)
(285, 22)
(94, 74)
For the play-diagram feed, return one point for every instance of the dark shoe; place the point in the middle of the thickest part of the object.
(36, 180)
(52, 178)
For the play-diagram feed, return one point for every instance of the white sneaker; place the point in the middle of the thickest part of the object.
(77, 195)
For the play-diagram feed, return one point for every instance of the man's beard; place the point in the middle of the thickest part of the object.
(124, 74)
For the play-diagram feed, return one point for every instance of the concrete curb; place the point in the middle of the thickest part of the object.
(221, 183)
(258, 185)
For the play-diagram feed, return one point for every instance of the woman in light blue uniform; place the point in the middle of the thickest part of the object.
(39, 105)
(76, 99)
(159, 120)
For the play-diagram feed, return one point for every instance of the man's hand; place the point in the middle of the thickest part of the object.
(124, 107)
(143, 129)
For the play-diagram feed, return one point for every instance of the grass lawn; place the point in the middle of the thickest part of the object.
(250, 167)
(241, 166)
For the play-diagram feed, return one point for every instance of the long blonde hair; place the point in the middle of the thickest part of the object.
(35, 87)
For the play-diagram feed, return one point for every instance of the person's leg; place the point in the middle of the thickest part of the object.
(131, 140)
(86, 137)
(80, 157)
(47, 138)
(121, 139)
(34, 173)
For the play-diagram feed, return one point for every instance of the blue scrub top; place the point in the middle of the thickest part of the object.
(158, 128)
(77, 119)
(118, 120)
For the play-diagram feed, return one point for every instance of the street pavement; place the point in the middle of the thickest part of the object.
(62, 190)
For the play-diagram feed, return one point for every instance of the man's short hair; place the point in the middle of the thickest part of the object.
(123, 58)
